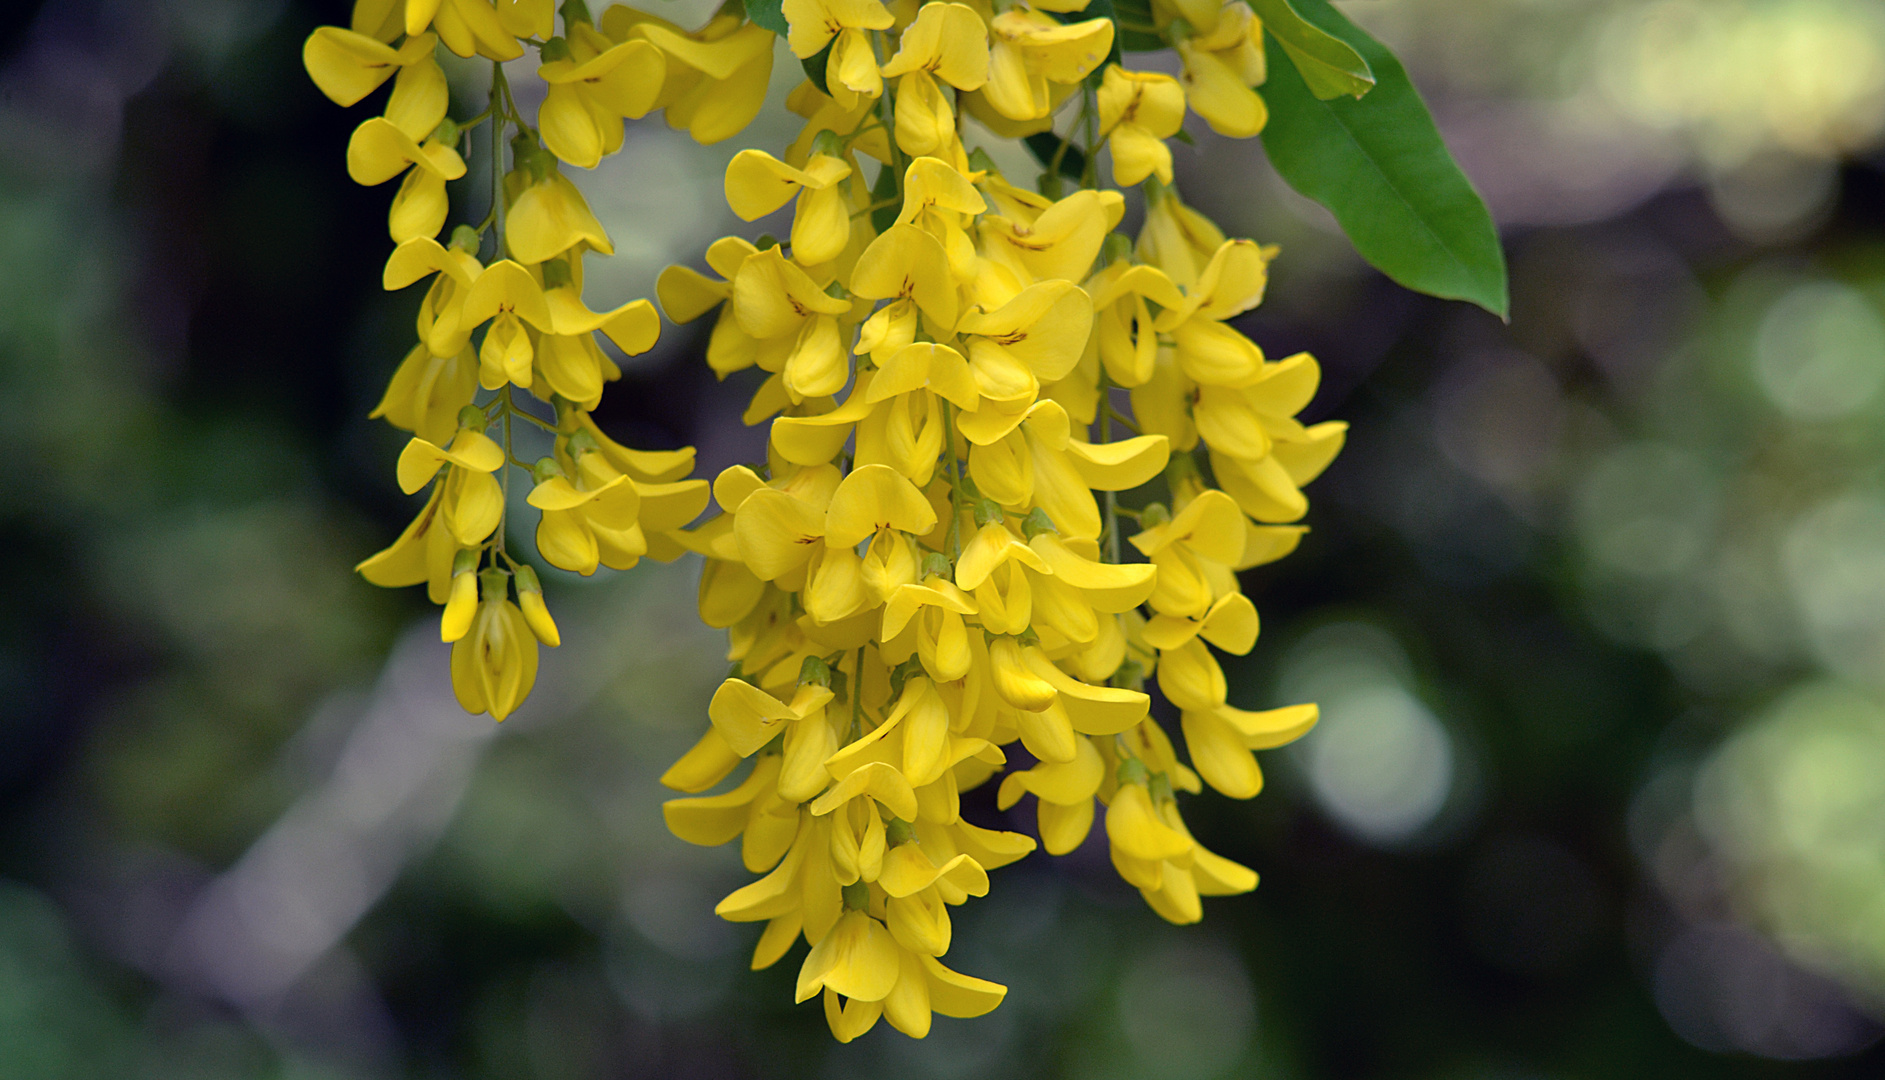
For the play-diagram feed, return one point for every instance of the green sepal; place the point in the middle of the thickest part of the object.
(1380, 167)
(1329, 65)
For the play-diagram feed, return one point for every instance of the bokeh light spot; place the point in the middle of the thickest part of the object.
(1820, 351)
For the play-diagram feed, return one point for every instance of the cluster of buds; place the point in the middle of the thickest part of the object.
(1015, 460)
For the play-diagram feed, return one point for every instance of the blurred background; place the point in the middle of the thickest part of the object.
(1594, 604)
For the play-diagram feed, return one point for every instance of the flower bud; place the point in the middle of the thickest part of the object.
(530, 601)
(463, 603)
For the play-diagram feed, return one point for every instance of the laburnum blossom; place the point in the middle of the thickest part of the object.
(1014, 460)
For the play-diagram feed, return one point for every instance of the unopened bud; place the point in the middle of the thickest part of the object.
(536, 615)
(455, 623)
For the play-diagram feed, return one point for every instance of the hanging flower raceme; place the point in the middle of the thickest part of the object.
(1015, 462)
(931, 566)
(508, 349)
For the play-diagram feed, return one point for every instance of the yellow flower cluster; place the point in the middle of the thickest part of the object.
(921, 575)
(930, 568)
(515, 284)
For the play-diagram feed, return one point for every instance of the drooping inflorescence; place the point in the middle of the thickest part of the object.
(1016, 459)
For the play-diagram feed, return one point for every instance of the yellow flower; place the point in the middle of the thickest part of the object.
(467, 27)
(1221, 738)
(424, 553)
(1061, 242)
(758, 183)
(715, 77)
(550, 217)
(379, 151)
(347, 66)
(583, 527)
(686, 295)
(1175, 238)
(592, 89)
(852, 69)
(1064, 791)
(1032, 53)
(1193, 552)
(510, 297)
(427, 391)
(1139, 110)
(1221, 66)
(495, 664)
(472, 502)
(441, 321)
(795, 323)
(907, 263)
(1123, 299)
(947, 42)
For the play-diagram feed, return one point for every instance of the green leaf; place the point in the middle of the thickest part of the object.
(1328, 64)
(816, 64)
(1378, 164)
(769, 14)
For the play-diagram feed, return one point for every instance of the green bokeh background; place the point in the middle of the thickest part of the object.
(1594, 604)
